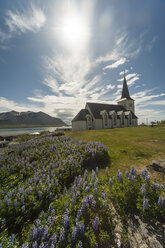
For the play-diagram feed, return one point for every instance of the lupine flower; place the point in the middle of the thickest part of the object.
(143, 189)
(81, 229)
(95, 223)
(53, 239)
(145, 204)
(160, 202)
(133, 170)
(26, 245)
(80, 244)
(78, 214)
(93, 205)
(34, 245)
(110, 183)
(62, 235)
(144, 173)
(133, 178)
(119, 175)
(65, 221)
(23, 208)
(147, 179)
(95, 245)
(74, 234)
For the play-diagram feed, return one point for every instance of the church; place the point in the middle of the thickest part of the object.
(101, 116)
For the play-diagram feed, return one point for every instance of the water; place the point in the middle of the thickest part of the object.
(17, 131)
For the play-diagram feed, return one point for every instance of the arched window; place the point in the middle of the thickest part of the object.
(89, 121)
(122, 118)
(105, 116)
(115, 119)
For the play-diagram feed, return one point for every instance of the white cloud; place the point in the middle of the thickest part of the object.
(122, 72)
(115, 64)
(132, 81)
(125, 46)
(4, 36)
(26, 20)
(110, 86)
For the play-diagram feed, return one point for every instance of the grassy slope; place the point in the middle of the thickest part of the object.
(136, 146)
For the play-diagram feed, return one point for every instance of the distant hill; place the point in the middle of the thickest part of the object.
(29, 118)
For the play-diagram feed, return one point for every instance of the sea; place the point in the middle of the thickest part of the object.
(29, 130)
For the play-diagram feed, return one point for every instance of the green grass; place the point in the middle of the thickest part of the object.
(136, 146)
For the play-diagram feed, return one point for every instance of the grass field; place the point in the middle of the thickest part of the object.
(137, 146)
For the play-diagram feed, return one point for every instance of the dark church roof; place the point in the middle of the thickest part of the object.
(81, 116)
(125, 92)
(96, 108)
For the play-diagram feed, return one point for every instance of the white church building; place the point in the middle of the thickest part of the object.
(101, 116)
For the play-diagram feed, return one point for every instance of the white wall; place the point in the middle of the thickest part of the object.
(98, 123)
(79, 125)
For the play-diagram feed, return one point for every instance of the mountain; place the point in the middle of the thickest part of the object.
(29, 118)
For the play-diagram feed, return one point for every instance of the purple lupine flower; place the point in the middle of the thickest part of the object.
(119, 175)
(86, 189)
(95, 223)
(38, 222)
(143, 189)
(145, 204)
(23, 208)
(15, 203)
(93, 205)
(53, 239)
(95, 245)
(26, 245)
(133, 170)
(45, 234)
(147, 179)
(144, 173)
(160, 202)
(110, 183)
(74, 234)
(80, 244)
(80, 229)
(34, 245)
(78, 214)
(62, 235)
(133, 178)
(84, 203)
(65, 221)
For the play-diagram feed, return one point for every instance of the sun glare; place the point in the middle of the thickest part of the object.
(75, 31)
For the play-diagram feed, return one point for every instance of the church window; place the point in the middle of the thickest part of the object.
(115, 120)
(89, 121)
(105, 119)
(122, 117)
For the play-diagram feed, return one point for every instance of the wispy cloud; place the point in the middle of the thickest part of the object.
(25, 20)
(115, 64)
(122, 72)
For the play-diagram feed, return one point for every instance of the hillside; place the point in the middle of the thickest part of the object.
(28, 118)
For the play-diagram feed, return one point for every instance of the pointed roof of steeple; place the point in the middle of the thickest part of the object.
(125, 92)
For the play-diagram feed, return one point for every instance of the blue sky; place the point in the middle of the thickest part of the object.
(56, 55)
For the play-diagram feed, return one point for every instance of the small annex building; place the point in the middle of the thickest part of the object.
(101, 116)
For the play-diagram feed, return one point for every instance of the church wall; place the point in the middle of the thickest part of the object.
(79, 125)
(98, 123)
(126, 104)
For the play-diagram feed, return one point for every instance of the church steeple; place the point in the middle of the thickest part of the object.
(125, 92)
(126, 101)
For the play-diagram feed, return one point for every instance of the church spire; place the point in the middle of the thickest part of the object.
(125, 92)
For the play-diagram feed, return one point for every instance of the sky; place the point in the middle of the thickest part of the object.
(56, 55)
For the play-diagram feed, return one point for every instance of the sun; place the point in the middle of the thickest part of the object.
(75, 31)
